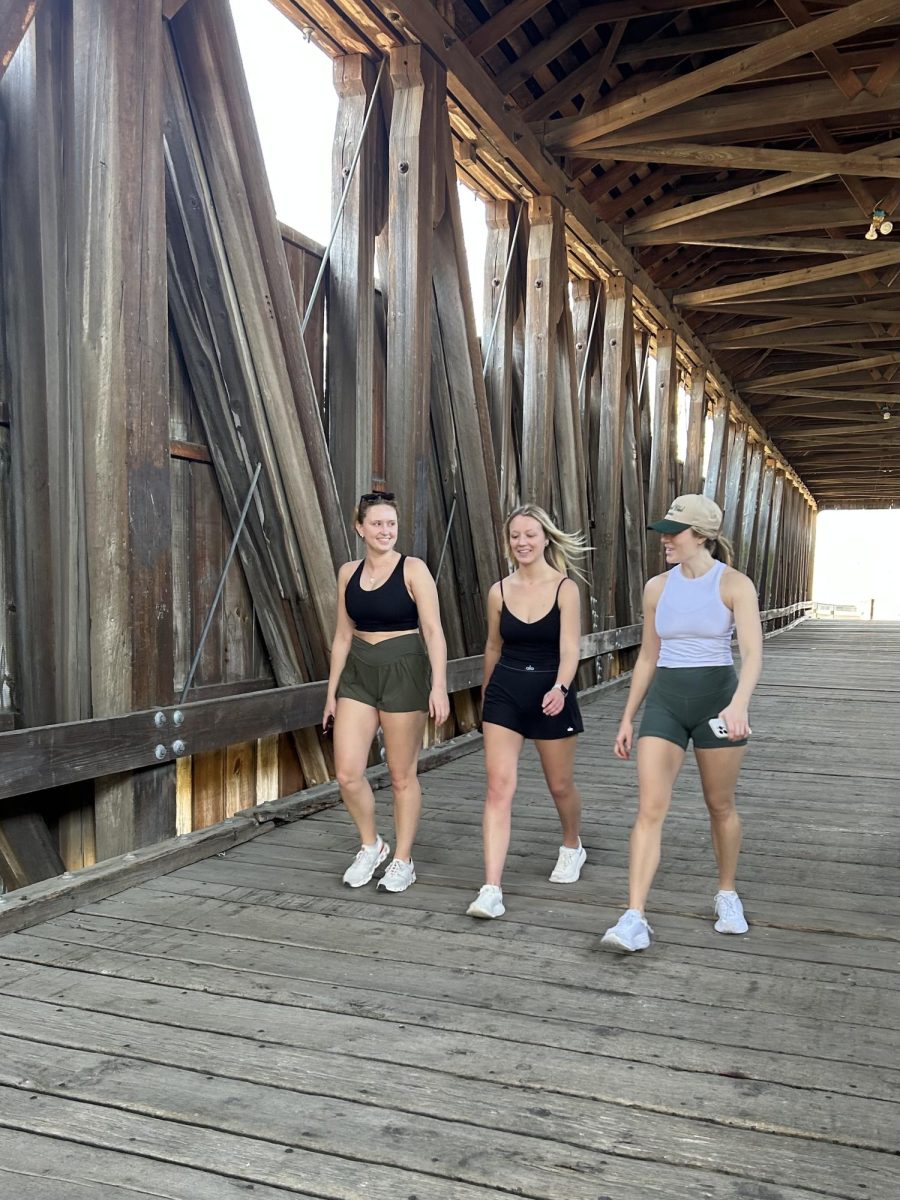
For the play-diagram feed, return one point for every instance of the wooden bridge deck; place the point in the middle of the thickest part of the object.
(246, 1027)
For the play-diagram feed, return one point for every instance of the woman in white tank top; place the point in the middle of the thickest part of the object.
(685, 670)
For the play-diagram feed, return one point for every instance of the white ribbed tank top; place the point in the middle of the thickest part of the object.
(693, 624)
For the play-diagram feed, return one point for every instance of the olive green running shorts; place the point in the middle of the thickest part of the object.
(683, 700)
(392, 676)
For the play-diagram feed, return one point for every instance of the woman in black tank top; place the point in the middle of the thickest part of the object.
(530, 661)
(388, 668)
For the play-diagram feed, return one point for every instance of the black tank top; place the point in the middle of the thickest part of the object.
(530, 645)
(387, 609)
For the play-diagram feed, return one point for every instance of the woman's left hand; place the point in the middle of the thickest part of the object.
(439, 705)
(737, 721)
(552, 703)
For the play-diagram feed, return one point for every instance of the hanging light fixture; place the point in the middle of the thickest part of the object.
(880, 224)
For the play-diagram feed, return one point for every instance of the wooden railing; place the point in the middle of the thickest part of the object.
(48, 756)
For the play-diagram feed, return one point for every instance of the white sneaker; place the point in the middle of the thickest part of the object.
(631, 932)
(488, 903)
(363, 866)
(569, 864)
(399, 875)
(730, 913)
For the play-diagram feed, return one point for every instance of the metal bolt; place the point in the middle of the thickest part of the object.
(161, 752)
(539, 283)
(177, 717)
(178, 747)
(404, 167)
(159, 719)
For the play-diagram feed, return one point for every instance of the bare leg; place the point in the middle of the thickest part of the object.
(558, 763)
(355, 725)
(718, 773)
(502, 748)
(658, 763)
(402, 743)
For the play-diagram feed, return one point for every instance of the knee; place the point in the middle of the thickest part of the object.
(402, 778)
(721, 806)
(500, 790)
(652, 810)
(561, 789)
(348, 777)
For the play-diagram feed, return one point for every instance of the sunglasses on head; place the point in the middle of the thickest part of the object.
(376, 497)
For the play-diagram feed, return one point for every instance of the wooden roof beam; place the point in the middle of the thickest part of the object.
(817, 373)
(699, 43)
(823, 31)
(585, 80)
(745, 194)
(566, 35)
(798, 15)
(750, 158)
(756, 113)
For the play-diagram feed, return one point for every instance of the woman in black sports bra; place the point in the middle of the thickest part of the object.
(530, 661)
(384, 672)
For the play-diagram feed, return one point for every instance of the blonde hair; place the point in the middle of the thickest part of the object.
(720, 548)
(564, 551)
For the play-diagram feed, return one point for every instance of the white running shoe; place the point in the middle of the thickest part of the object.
(488, 903)
(398, 876)
(363, 866)
(569, 864)
(631, 932)
(730, 913)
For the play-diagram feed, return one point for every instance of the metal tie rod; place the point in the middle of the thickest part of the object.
(212, 608)
(587, 344)
(343, 200)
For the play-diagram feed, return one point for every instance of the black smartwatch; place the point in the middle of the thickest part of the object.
(562, 687)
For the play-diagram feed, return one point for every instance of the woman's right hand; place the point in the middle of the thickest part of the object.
(328, 714)
(624, 738)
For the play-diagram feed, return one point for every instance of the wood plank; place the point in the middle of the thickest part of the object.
(798, 14)
(351, 287)
(696, 431)
(542, 312)
(749, 506)
(118, 86)
(715, 470)
(418, 96)
(823, 31)
(785, 279)
(499, 365)
(607, 452)
(751, 158)
(664, 400)
(15, 19)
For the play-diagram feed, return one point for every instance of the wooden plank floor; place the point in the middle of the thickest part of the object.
(247, 1027)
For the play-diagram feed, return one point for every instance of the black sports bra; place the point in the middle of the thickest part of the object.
(532, 644)
(387, 609)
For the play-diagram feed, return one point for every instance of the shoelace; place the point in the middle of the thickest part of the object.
(396, 868)
(728, 906)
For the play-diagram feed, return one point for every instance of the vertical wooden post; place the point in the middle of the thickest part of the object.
(635, 520)
(731, 505)
(541, 319)
(418, 92)
(499, 377)
(351, 287)
(715, 468)
(124, 375)
(775, 541)
(756, 564)
(696, 428)
(617, 351)
(750, 506)
(663, 435)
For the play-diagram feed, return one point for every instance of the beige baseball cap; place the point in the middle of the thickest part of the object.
(691, 512)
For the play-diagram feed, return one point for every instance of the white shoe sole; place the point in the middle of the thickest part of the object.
(554, 878)
(730, 930)
(385, 887)
(483, 914)
(385, 851)
(615, 943)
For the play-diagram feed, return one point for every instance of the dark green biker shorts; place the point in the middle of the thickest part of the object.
(392, 676)
(683, 700)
